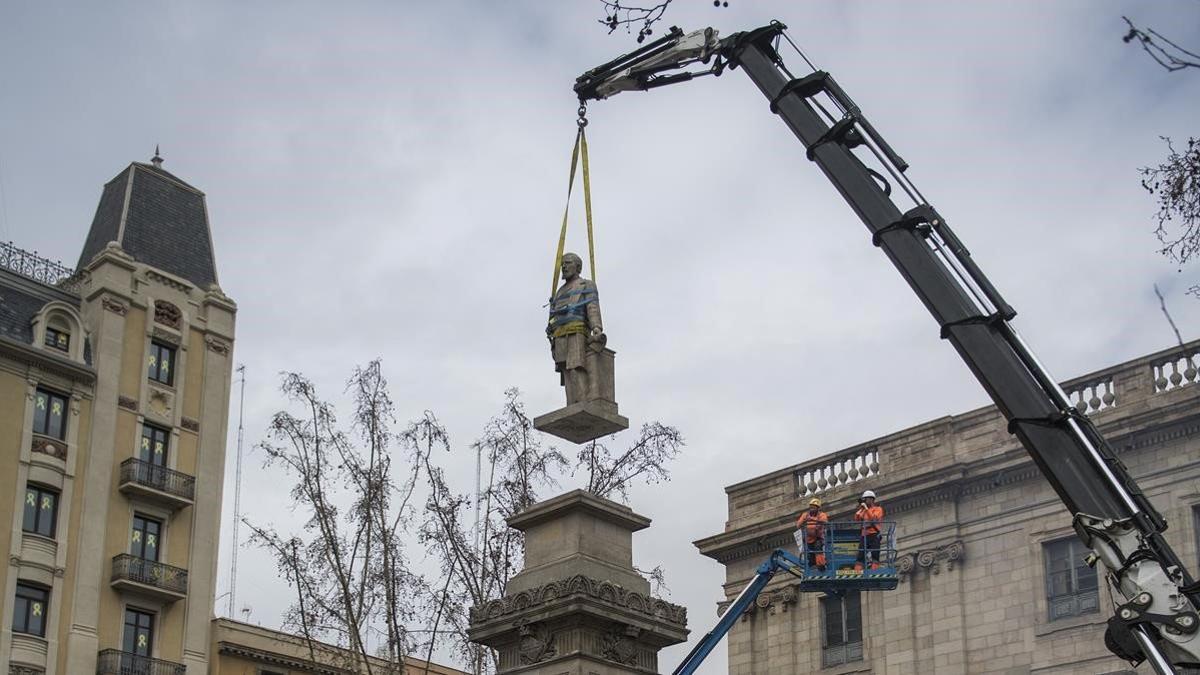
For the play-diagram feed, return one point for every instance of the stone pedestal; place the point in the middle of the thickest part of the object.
(596, 415)
(578, 607)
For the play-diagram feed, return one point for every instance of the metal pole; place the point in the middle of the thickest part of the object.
(237, 497)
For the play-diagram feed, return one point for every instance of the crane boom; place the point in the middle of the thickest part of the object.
(1158, 620)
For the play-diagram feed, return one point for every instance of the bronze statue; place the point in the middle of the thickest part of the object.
(575, 329)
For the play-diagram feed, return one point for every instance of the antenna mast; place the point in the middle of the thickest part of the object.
(237, 496)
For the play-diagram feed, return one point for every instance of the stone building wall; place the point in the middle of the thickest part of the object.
(973, 517)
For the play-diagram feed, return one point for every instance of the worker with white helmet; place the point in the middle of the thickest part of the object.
(871, 516)
(813, 523)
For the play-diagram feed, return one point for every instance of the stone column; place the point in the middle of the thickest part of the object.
(578, 607)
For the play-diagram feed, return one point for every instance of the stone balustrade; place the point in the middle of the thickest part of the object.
(1109, 396)
(839, 470)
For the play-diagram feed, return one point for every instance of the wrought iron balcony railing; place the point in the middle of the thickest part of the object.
(117, 662)
(173, 580)
(33, 266)
(159, 478)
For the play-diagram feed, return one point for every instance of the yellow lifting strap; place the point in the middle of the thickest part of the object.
(579, 151)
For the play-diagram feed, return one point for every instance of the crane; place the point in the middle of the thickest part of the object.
(1157, 619)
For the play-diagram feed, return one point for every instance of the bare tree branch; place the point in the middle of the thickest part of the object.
(1164, 52)
(617, 16)
(646, 459)
(1176, 183)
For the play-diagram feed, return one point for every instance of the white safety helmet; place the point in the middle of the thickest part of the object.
(869, 493)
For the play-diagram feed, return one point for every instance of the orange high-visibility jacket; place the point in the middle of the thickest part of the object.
(871, 516)
(813, 526)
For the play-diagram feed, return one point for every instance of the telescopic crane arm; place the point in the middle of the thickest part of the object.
(1158, 619)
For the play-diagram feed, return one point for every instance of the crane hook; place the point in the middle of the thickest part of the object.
(582, 121)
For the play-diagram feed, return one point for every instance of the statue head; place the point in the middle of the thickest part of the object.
(572, 266)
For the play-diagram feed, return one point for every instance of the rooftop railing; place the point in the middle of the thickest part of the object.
(33, 266)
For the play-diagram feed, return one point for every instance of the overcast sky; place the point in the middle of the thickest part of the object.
(385, 180)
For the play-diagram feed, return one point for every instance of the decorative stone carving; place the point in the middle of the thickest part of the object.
(621, 645)
(579, 587)
(773, 602)
(161, 403)
(17, 669)
(49, 446)
(167, 314)
(537, 642)
(931, 559)
(190, 424)
(127, 403)
(215, 345)
(115, 306)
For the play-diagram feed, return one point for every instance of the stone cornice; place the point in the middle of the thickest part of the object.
(579, 500)
(234, 649)
(580, 587)
(44, 360)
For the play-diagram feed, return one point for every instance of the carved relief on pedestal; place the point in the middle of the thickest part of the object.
(537, 642)
(581, 586)
(931, 559)
(620, 645)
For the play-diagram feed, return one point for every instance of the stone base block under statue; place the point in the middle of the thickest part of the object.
(596, 414)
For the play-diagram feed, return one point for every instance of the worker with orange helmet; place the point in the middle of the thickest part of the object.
(812, 523)
(870, 515)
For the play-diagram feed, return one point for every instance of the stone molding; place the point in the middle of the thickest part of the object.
(190, 424)
(769, 601)
(931, 559)
(115, 306)
(127, 403)
(17, 669)
(166, 336)
(579, 587)
(169, 282)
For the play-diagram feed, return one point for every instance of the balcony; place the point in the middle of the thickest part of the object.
(116, 662)
(149, 578)
(158, 484)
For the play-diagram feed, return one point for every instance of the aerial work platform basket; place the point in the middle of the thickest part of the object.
(848, 559)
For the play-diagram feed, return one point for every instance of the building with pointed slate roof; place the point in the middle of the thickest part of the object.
(114, 399)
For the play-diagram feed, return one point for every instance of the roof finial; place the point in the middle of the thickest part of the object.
(156, 160)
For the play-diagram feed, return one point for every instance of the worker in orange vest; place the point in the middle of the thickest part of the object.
(813, 522)
(870, 515)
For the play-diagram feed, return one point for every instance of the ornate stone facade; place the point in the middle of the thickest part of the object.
(974, 519)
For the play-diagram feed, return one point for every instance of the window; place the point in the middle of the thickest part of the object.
(41, 510)
(58, 339)
(1071, 588)
(29, 610)
(162, 363)
(139, 632)
(145, 537)
(49, 414)
(154, 445)
(843, 629)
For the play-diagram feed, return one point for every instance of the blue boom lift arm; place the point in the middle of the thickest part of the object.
(779, 560)
(1156, 617)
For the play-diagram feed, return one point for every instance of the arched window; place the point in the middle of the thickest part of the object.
(57, 329)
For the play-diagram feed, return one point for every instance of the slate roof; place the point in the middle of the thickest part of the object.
(158, 219)
(21, 299)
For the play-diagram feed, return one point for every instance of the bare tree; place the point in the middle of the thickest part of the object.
(477, 563)
(349, 570)
(610, 475)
